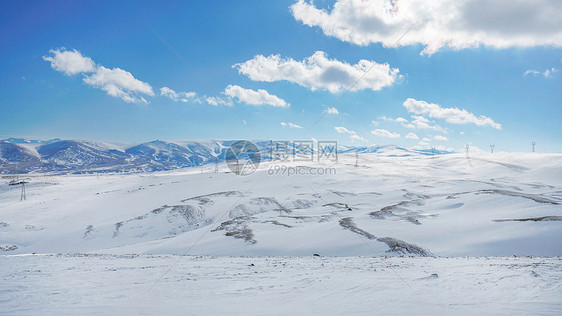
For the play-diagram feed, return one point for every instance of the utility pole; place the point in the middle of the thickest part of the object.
(533, 143)
(356, 159)
(467, 148)
(492, 148)
(22, 196)
(216, 166)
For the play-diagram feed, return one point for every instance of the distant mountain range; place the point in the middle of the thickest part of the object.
(80, 156)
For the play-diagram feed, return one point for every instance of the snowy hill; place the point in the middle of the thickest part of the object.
(447, 205)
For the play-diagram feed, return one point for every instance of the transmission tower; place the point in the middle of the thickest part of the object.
(22, 196)
(467, 149)
(492, 148)
(216, 166)
(356, 160)
(533, 143)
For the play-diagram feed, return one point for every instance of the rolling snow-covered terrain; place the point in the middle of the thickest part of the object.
(426, 208)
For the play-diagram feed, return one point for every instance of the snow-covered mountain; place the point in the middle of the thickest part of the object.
(82, 156)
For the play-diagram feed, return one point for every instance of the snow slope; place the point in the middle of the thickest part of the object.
(449, 205)
(385, 232)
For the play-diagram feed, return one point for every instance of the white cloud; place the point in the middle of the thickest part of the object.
(119, 83)
(418, 122)
(421, 122)
(291, 125)
(252, 97)
(531, 72)
(357, 137)
(425, 139)
(354, 136)
(216, 101)
(423, 143)
(438, 23)
(70, 62)
(178, 96)
(332, 110)
(397, 120)
(440, 138)
(412, 136)
(450, 115)
(548, 73)
(343, 130)
(462, 133)
(115, 82)
(320, 72)
(385, 133)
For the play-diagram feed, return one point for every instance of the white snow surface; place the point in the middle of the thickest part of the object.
(132, 285)
(489, 205)
(382, 229)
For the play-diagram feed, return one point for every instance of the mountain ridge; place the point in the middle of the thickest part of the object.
(86, 156)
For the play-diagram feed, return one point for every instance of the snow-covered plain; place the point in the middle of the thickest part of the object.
(446, 206)
(117, 285)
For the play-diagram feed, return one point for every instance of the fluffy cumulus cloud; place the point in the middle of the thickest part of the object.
(252, 97)
(450, 115)
(291, 125)
(385, 133)
(178, 96)
(70, 62)
(115, 82)
(119, 83)
(548, 73)
(353, 134)
(457, 24)
(411, 136)
(440, 138)
(320, 72)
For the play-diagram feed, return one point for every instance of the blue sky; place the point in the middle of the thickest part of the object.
(480, 82)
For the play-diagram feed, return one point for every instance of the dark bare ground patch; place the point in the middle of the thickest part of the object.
(400, 210)
(238, 228)
(532, 219)
(395, 245)
(539, 198)
(8, 247)
(274, 222)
